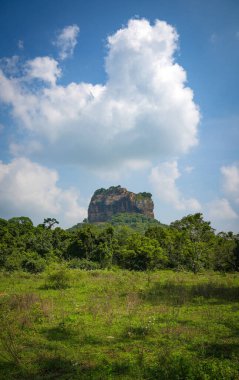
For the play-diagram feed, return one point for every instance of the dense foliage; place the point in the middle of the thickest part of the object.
(136, 221)
(189, 243)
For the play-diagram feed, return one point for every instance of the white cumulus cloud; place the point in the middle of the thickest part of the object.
(144, 111)
(224, 210)
(163, 178)
(44, 68)
(220, 209)
(67, 40)
(29, 189)
(220, 213)
(230, 175)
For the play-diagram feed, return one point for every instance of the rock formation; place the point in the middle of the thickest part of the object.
(108, 202)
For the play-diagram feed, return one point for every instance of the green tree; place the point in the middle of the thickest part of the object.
(197, 241)
(50, 222)
(141, 253)
(225, 252)
(83, 242)
(104, 246)
(20, 226)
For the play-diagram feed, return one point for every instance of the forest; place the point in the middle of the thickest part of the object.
(131, 242)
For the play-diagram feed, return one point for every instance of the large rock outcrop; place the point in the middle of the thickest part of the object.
(108, 202)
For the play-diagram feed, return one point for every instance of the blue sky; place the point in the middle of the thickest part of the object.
(138, 93)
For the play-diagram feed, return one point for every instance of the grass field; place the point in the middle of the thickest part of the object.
(119, 325)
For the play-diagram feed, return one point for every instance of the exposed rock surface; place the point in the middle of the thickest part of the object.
(108, 202)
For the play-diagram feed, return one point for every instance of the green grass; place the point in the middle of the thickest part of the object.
(120, 325)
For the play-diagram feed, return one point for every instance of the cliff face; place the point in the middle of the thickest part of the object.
(108, 202)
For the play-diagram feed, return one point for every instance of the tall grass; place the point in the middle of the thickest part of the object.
(120, 325)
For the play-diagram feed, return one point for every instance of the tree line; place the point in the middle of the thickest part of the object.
(186, 244)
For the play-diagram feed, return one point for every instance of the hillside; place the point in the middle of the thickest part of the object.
(137, 222)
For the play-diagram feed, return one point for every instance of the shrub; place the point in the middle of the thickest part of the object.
(13, 261)
(33, 263)
(59, 279)
(83, 264)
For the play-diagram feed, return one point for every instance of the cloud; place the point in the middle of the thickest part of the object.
(188, 169)
(163, 178)
(125, 169)
(144, 111)
(29, 189)
(18, 150)
(231, 181)
(20, 45)
(224, 211)
(10, 65)
(43, 68)
(67, 40)
(220, 212)
(220, 209)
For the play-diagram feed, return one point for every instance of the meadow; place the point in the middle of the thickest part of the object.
(118, 324)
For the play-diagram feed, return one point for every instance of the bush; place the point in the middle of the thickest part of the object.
(33, 263)
(13, 261)
(83, 264)
(59, 279)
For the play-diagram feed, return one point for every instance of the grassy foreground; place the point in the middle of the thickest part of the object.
(119, 325)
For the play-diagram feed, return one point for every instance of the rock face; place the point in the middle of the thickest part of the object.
(108, 202)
